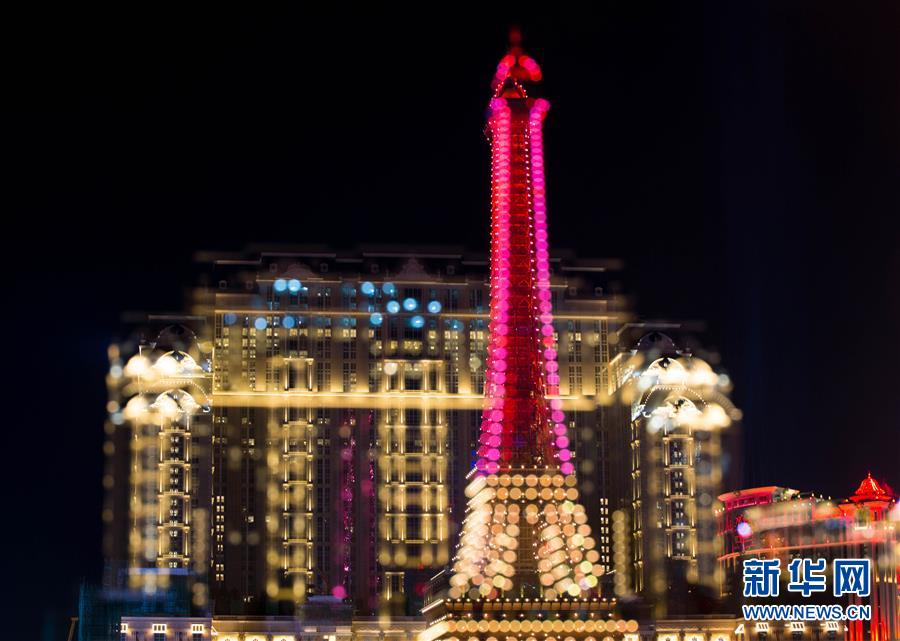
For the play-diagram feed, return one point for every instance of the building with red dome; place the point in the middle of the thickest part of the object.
(776, 522)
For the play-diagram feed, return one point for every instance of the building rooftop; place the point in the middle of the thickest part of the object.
(872, 490)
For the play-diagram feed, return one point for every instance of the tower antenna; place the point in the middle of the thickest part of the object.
(515, 37)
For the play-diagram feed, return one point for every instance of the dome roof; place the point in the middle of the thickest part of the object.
(176, 364)
(872, 490)
(666, 364)
(681, 405)
(137, 365)
(176, 337)
(667, 371)
(656, 342)
(173, 402)
(698, 372)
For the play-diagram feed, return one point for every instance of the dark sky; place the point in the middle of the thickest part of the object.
(744, 162)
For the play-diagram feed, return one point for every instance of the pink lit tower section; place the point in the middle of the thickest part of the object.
(525, 537)
(520, 429)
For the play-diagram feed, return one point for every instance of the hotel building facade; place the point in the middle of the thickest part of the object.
(307, 429)
(679, 442)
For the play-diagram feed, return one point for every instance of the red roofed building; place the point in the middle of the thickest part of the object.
(871, 501)
(774, 522)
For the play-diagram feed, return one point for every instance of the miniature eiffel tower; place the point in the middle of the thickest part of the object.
(525, 567)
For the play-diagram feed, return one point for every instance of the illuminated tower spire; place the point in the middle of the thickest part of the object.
(524, 535)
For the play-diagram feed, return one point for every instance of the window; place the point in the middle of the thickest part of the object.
(414, 500)
(412, 379)
(678, 484)
(413, 527)
(452, 299)
(478, 380)
(575, 379)
(348, 347)
(477, 300)
(348, 377)
(599, 383)
(348, 296)
(374, 376)
(453, 377)
(413, 439)
(323, 376)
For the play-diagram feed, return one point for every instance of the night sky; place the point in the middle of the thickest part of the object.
(744, 162)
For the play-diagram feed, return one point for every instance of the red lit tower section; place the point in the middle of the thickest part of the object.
(521, 428)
